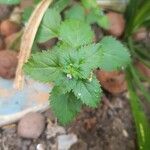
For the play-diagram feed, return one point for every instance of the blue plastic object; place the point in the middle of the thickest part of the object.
(14, 104)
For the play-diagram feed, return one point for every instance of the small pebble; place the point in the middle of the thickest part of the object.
(8, 27)
(31, 125)
(125, 133)
(117, 23)
(66, 141)
(8, 63)
(40, 147)
(53, 130)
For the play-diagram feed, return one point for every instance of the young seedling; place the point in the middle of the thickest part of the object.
(88, 11)
(70, 64)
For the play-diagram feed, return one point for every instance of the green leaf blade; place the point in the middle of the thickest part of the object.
(43, 67)
(92, 57)
(115, 55)
(65, 106)
(141, 120)
(75, 12)
(60, 5)
(88, 92)
(76, 33)
(49, 26)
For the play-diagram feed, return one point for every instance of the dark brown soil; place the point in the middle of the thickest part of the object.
(112, 128)
(109, 127)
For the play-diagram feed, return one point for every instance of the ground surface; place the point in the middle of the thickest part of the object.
(109, 127)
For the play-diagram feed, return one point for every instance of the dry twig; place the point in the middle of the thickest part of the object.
(28, 39)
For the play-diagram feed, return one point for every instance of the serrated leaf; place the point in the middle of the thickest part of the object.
(66, 84)
(60, 5)
(91, 18)
(103, 22)
(76, 33)
(97, 16)
(43, 66)
(115, 54)
(88, 92)
(80, 63)
(75, 12)
(49, 26)
(62, 62)
(10, 2)
(64, 106)
(92, 56)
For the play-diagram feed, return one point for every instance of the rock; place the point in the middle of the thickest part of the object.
(8, 27)
(125, 133)
(140, 35)
(114, 82)
(5, 11)
(2, 43)
(41, 147)
(117, 23)
(31, 125)
(53, 130)
(8, 63)
(64, 142)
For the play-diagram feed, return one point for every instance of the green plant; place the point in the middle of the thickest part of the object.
(70, 64)
(89, 12)
(137, 15)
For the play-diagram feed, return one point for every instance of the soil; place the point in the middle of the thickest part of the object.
(109, 127)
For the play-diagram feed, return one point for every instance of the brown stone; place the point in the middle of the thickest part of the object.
(117, 24)
(8, 63)
(114, 82)
(8, 27)
(31, 125)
